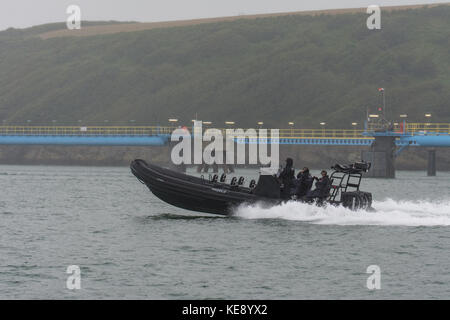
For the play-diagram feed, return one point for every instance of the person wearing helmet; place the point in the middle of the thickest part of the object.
(304, 183)
(323, 186)
(286, 177)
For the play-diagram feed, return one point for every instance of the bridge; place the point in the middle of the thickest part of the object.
(406, 134)
(397, 137)
(88, 136)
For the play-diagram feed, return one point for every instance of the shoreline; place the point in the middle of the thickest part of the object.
(412, 159)
(99, 165)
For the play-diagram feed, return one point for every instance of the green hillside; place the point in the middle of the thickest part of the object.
(290, 68)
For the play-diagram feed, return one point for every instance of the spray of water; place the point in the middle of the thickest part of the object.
(388, 212)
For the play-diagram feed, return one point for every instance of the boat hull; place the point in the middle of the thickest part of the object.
(193, 193)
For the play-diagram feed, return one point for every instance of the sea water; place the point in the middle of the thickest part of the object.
(128, 244)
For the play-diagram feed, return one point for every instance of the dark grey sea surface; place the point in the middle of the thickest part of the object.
(130, 245)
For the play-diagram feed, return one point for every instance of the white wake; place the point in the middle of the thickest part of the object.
(388, 212)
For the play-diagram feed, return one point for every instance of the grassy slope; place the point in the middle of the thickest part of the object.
(278, 69)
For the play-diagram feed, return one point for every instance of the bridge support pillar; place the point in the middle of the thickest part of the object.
(382, 157)
(431, 163)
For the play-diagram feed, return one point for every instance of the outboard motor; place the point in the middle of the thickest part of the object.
(223, 177)
(252, 184)
(241, 181)
(357, 200)
(215, 178)
(362, 166)
(233, 181)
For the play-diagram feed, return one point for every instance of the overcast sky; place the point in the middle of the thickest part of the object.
(26, 13)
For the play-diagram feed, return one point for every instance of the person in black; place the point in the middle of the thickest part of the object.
(286, 177)
(304, 182)
(323, 186)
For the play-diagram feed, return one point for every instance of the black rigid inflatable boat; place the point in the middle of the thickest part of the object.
(214, 195)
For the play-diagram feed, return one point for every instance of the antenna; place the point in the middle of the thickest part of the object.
(384, 101)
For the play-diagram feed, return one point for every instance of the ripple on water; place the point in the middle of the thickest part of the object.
(129, 244)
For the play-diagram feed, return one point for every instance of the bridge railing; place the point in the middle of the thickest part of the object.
(155, 130)
(321, 133)
(293, 133)
(410, 128)
(304, 133)
(81, 131)
(423, 128)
